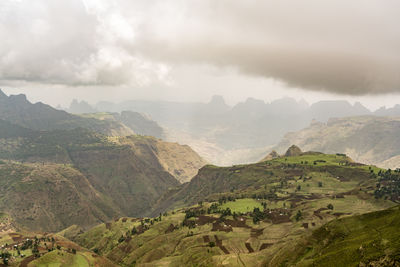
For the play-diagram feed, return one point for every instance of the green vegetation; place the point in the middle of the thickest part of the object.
(242, 205)
(245, 215)
(372, 239)
(33, 249)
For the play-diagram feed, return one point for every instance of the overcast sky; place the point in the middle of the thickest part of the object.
(189, 50)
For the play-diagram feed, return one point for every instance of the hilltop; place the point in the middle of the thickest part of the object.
(44, 249)
(366, 139)
(264, 177)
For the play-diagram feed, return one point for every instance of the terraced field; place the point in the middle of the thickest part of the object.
(268, 209)
(294, 211)
(27, 249)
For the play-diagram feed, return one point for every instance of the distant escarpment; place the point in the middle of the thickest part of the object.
(18, 110)
(366, 139)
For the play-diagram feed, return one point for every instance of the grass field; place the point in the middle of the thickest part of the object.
(242, 205)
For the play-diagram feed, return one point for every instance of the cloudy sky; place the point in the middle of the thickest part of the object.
(189, 50)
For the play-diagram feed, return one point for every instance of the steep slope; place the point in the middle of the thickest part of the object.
(180, 161)
(137, 122)
(120, 175)
(273, 213)
(371, 239)
(272, 155)
(246, 180)
(367, 139)
(18, 110)
(50, 197)
(26, 248)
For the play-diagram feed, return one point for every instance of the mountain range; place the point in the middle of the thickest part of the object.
(226, 135)
(70, 172)
(76, 193)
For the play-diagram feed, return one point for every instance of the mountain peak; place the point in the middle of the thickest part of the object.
(21, 98)
(2, 94)
(272, 155)
(217, 100)
(293, 151)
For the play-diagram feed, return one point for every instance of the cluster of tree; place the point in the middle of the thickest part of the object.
(258, 215)
(388, 186)
(190, 213)
(5, 255)
(225, 199)
(298, 216)
(265, 195)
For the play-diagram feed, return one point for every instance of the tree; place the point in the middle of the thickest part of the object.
(330, 206)
(211, 244)
(319, 184)
(298, 216)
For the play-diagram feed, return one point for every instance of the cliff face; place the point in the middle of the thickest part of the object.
(52, 179)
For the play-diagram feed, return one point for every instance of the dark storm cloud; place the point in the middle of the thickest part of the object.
(346, 47)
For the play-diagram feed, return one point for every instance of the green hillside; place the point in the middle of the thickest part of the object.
(371, 239)
(30, 249)
(265, 214)
(285, 178)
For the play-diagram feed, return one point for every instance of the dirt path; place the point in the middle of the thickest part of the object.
(249, 248)
(26, 261)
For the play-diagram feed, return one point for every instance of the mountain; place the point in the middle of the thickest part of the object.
(52, 179)
(383, 111)
(80, 107)
(367, 139)
(298, 210)
(324, 110)
(226, 135)
(272, 155)
(137, 122)
(18, 110)
(293, 151)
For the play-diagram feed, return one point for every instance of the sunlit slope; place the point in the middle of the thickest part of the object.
(371, 239)
(37, 249)
(248, 215)
(278, 178)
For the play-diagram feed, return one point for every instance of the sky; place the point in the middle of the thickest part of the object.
(189, 50)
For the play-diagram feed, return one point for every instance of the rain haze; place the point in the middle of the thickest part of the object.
(55, 51)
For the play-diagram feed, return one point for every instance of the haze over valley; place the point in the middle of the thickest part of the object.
(199, 133)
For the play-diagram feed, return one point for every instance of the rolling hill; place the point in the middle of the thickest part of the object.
(24, 248)
(289, 211)
(302, 209)
(366, 139)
